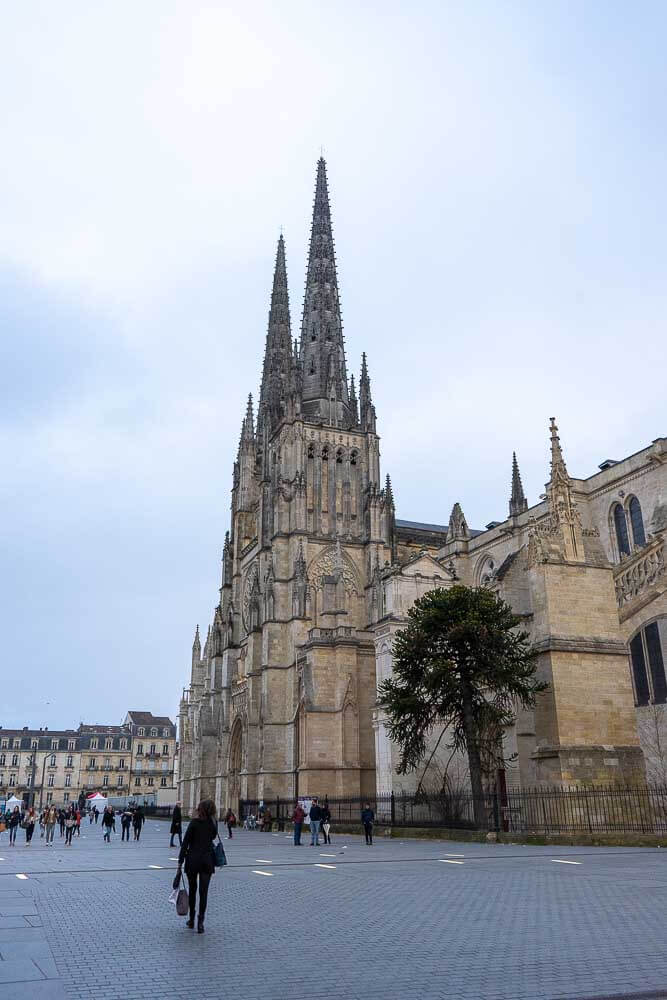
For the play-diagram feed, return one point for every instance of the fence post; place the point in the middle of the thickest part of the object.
(393, 809)
(496, 812)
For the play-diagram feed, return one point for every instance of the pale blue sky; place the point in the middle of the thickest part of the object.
(497, 176)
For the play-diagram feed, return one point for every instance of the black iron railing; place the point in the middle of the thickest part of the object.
(587, 810)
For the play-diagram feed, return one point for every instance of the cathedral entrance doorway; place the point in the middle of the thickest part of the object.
(235, 765)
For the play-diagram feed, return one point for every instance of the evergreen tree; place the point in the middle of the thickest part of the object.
(461, 662)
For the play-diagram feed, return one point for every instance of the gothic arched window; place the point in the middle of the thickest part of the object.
(339, 456)
(353, 458)
(621, 527)
(636, 522)
(648, 665)
(325, 454)
(311, 451)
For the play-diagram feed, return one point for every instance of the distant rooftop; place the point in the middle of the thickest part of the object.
(438, 529)
(421, 526)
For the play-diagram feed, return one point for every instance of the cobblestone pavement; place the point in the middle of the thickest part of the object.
(400, 919)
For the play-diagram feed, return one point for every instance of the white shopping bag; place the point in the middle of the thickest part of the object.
(172, 896)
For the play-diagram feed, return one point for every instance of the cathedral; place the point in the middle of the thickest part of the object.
(318, 574)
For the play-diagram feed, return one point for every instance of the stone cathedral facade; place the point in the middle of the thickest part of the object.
(318, 574)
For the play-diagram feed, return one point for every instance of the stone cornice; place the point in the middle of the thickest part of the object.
(580, 644)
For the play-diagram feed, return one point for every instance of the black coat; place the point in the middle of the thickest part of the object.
(197, 847)
(176, 820)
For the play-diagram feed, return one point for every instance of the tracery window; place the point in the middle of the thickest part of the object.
(636, 522)
(621, 527)
(339, 456)
(353, 458)
(648, 666)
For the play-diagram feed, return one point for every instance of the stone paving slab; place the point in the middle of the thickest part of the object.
(401, 919)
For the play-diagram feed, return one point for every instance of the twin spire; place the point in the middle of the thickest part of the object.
(311, 377)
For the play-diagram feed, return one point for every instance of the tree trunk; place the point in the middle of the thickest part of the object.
(474, 760)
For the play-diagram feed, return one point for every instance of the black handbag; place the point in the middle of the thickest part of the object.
(219, 855)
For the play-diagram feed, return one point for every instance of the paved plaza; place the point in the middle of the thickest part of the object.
(426, 919)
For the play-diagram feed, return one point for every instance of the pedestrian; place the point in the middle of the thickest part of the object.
(14, 823)
(315, 815)
(267, 821)
(138, 822)
(197, 853)
(29, 823)
(78, 823)
(61, 821)
(368, 819)
(107, 823)
(70, 823)
(176, 828)
(113, 816)
(230, 822)
(125, 824)
(42, 823)
(298, 817)
(96, 813)
(90, 816)
(51, 817)
(326, 822)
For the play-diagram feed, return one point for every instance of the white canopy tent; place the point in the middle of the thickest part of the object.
(13, 801)
(96, 800)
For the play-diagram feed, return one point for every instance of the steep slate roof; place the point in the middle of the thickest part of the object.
(148, 719)
(440, 529)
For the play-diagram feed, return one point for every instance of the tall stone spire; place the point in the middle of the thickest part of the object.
(278, 358)
(366, 408)
(518, 502)
(562, 507)
(248, 427)
(322, 348)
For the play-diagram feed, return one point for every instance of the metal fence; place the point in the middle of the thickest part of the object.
(535, 810)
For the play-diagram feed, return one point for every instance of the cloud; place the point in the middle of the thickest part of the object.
(496, 178)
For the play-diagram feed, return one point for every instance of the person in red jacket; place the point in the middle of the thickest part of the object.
(298, 817)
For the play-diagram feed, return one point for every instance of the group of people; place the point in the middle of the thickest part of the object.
(320, 820)
(68, 821)
(131, 818)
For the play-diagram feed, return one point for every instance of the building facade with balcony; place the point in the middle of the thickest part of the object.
(63, 766)
(153, 753)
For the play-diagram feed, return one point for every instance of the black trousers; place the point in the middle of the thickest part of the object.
(368, 830)
(69, 830)
(204, 879)
(126, 832)
(327, 838)
(176, 833)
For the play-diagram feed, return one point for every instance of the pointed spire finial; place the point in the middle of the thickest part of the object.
(278, 351)
(558, 467)
(322, 326)
(518, 502)
(388, 489)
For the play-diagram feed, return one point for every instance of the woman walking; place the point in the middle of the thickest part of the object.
(13, 824)
(326, 822)
(230, 822)
(51, 816)
(70, 823)
(368, 819)
(107, 823)
(197, 853)
(61, 821)
(30, 820)
(176, 829)
(138, 822)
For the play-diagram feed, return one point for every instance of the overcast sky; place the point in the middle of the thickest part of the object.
(497, 176)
